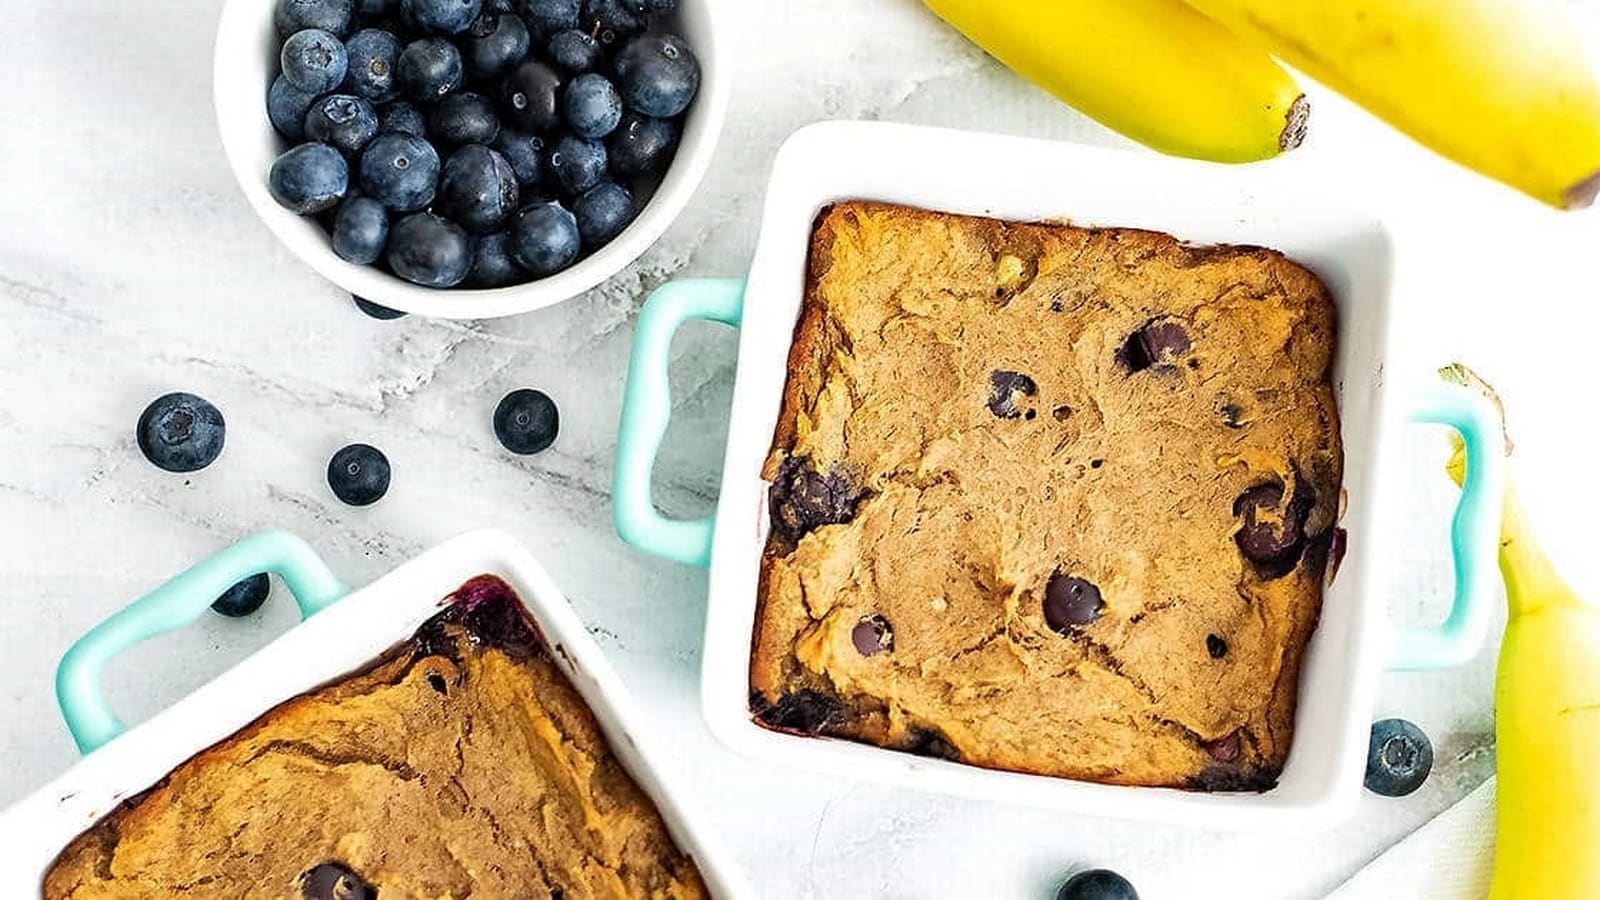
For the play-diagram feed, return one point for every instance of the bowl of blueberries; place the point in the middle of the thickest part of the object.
(469, 159)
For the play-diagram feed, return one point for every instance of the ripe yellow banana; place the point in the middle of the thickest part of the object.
(1547, 723)
(1500, 86)
(1154, 70)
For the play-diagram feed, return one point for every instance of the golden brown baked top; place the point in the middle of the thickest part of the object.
(1049, 499)
(461, 764)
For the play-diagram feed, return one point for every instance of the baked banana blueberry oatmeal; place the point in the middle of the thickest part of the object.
(1049, 499)
(460, 763)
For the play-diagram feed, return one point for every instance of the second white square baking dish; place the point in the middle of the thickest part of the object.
(343, 632)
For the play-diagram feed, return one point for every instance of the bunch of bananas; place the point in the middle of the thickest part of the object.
(1501, 86)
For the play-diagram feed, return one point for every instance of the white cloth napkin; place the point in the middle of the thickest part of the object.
(1447, 859)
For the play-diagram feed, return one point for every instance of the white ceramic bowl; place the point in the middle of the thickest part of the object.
(1032, 180)
(343, 637)
(246, 63)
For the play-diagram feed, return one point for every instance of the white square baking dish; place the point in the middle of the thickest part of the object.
(343, 631)
(1019, 179)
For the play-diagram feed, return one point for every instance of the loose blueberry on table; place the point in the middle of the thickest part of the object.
(1399, 758)
(475, 143)
(526, 421)
(381, 313)
(1097, 884)
(180, 432)
(359, 475)
(243, 598)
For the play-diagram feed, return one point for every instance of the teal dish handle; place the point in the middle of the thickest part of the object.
(1474, 532)
(647, 408)
(174, 605)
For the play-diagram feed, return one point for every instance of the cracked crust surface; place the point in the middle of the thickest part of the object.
(461, 763)
(981, 415)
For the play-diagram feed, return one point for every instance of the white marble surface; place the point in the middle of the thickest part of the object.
(130, 266)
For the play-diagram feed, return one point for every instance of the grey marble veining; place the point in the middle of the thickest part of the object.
(130, 266)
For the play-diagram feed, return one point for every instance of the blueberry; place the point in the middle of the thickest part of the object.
(802, 499)
(658, 75)
(244, 598)
(525, 153)
(1216, 647)
(309, 178)
(441, 16)
(478, 189)
(400, 170)
(286, 107)
(342, 121)
(932, 743)
(575, 164)
(429, 250)
(872, 635)
(403, 117)
(1225, 749)
(526, 421)
(1071, 603)
(545, 239)
(180, 433)
(429, 69)
(359, 475)
(547, 17)
(374, 10)
(803, 712)
(1097, 884)
(360, 230)
(1157, 344)
(658, 7)
(1271, 533)
(612, 21)
(500, 6)
(463, 119)
(492, 263)
(381, 313)
(641, 144)
(334, 881)
(1399, 758)
(494, 45)
(373, 56)
(333, 16)
(603, 211)
(313, 60)
(591, 106)
(1005, 389)
(575, 51)
(529, 98)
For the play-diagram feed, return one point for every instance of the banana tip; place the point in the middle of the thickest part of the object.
(1294, 124)
(1582, 194)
